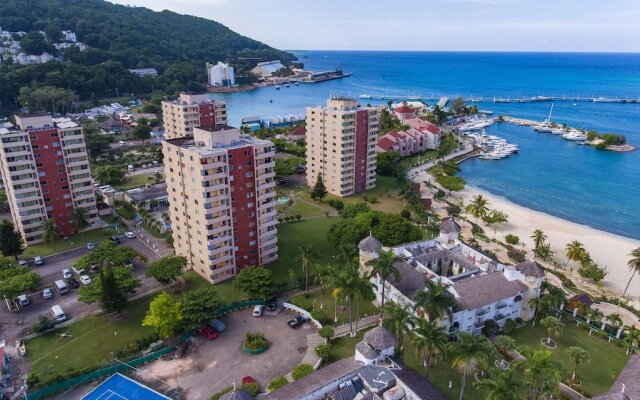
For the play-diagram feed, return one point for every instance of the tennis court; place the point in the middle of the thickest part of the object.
(119, 387)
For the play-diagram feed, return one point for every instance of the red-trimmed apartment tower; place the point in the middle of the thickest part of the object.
(189, 111)
(46, 172)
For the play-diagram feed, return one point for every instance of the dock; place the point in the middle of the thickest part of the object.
(443, 102)
(494, 99)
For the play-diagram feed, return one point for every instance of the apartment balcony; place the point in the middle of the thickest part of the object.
(215, 199)
(219, 229)
(266, 175)
(213, 250)
(73, 146)
(265, 206)
(80, 195)
(218, 186)
(482, 312)
(266, 259)
(218, 208)
(18, 153)
(19, 163)
(218, 219)
(35, 224)
(221, 258)
(25, 190)
(266, 242)
(501, 305)
(221, 239)
(74, 162)
(214, 177)
(263, 166)
(262, 156)
(266, 185)
(499, 317)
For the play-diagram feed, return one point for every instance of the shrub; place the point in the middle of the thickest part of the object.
(453, 209)
(517, 255)
(248, 379)
(252, 388)
(406, 214)
(277, 383)
(371, 198)
(323, 350)
(32, 380)
(42, 324)
(221, 393)
(326, 332)
(337, 204)
(331, 202)
(280, 219)
(509, 326)
(255, 341)
(512, 239)
(454, 183)
(476, 229)
(298, 217)
(320, 315)
(301, 371)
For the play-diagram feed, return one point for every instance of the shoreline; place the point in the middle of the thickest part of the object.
(606, 249)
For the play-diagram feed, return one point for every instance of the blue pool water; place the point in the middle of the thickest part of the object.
(596, 188)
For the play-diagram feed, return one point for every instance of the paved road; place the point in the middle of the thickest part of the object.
(15, 325)
(419, 174)
(152, 170)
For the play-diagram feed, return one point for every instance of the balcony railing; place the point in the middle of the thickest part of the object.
(482, 312)
(500, 306)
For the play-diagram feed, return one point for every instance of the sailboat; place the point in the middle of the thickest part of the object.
(545, 127)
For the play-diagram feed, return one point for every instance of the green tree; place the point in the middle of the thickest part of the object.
(323, 350)
(458, 105)
(16, 280)
(51, 231)
(633, 264)
(165, 315)
(108, 254)
(125, 281)
(112, 297)
(383, 267)
(504, 343)
(166, 269)
(632, 337)
(319, 189)
(81, 218)
(142, 131)
(387, 163)
(429, 340)
(34, 43)
(398, 317)
(539, 239)
(326, 332)
(478, 207)
(254, 282)
(11, 243)
(578, 356)
(108, 174)
(575, 251)
(541, 373)
(471, 353)
(435, 300)
(199, 306)
(346, 284)
(305, 258)
(502, 385)
(553, 327)
(493, 218)
(614, 319)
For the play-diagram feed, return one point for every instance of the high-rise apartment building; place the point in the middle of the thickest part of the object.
(190, 111)
(221, 187)
(46, 173)
(341, 146)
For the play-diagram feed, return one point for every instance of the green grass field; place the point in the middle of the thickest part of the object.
(343, 347)
(133, 181)
(74, 241)
(314, 299)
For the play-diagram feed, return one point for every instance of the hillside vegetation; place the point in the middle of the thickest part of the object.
(120, 38)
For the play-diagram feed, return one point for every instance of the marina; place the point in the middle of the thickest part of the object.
(491, 147)
(494, 99)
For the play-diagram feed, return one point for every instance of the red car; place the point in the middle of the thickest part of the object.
(208, 332)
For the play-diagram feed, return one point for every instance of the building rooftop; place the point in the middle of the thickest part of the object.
(379, 338)
(458, 257)
(146, 193)
(236, 394)
(366, 351)
(411, 280)
(418, 385)
(203, 148)
(450, 226)
(486, 289)
(530, 268)
(369, 244)
(627, 386)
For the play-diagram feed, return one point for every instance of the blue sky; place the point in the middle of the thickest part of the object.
(483, 25)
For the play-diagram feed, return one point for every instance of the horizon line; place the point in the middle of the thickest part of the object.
(471, 51)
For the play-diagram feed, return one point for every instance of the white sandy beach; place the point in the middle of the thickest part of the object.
(605, 248)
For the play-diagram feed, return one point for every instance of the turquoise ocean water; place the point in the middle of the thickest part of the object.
(596, 188)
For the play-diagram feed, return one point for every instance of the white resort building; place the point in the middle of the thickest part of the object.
(484, 289)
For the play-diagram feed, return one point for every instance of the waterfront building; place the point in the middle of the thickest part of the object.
(483, 288)
(341, 140)
(69, 36)
(221, 187)
(46, 173)
(267, 68)
(189, 111)
(220, 74)
(421, 136)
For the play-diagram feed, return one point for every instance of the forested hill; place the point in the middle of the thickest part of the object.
(121, 37)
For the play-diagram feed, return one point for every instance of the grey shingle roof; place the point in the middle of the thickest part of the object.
(530, 268)
(449, 226)
(237, 394)
(411, 280)
(369, 244)
(380, 338)
(420, 386)
(486, 289)
(366, 351)
(630, 378)
(463, 261)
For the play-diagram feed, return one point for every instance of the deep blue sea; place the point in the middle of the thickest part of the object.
(596, 188)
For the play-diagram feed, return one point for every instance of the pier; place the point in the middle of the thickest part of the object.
(494, 99)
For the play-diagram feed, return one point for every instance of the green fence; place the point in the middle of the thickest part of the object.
(112, 369)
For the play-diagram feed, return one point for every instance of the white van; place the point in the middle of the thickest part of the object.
(130, 168)
(61, 286)
(121, 142)
(58, 314)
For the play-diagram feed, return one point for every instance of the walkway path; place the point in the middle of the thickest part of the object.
(419, 174)
(363, 323)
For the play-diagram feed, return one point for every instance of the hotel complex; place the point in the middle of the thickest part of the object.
(46, 173)
(189, 111)
(221, 187)
(341, 146)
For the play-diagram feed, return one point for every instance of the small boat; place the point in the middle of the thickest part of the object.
(575, 104)
(287, 85)
(277, 87)
(271, 101)
(297, 83)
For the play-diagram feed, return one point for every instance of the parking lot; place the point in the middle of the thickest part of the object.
(212, 365)
(15, 324)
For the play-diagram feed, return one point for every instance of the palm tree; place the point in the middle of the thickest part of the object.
(596, 315)
(541, 372)
(396, 321)
(323, 276)
(501, 386)
(429, 339)
(80, 217)
(305, 255)
(553, 327)
(577, 355)
(539, 238)
(347, 254)
(346, 285)
(471, 353)
(632, 337)
(478, 207)
(574, 252)
(51, 231)
(634, 266)
(504, 343)
(383, 267)
(615, 319)
(365, 292)
(434, 300)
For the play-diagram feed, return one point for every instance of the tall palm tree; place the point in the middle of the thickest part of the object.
(81, 218)
(471, 353)
(51, 231)
(429, 339)
(305, 257)
(346, 285)
(383, 267)
(615, 319)
(577, 355)
(434, 300)
(502, 385)
(323, 276)
(539, 238)
(596, 315)
(553, 327)
(398, 315)
(574, 251)
(541, 372)
(478, 207)
(347, 254)
(634, 266)
(632, 337)
(365, 292)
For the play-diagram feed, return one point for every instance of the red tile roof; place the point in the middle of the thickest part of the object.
(386, 144)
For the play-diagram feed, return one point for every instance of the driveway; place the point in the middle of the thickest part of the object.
(211, 366)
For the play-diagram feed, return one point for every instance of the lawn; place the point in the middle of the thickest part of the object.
(304, 206)
(312, 301)
(72, 242)
(607, 359)
(133, 181)
(387, 191)
(343, 347)
(417, 158)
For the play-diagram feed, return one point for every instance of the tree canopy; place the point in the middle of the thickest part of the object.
(11, 243)
(108, 254)
(390, 229)
(199, 306)
(254, 282)
(16, 280)
(125, 281)
(165, 315)
(166, 269)
(108, 174)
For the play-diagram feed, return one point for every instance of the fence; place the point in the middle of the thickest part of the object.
(71, 382)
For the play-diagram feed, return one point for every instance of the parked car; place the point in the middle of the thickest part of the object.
(94, 267)
(85, 279)
(130, 235)
(208, 332)
(257, 310)
(218, 325)
(115, 239)
(128, 264)
(38, 260)
(272, 303)
(90, 246)
(78, 271)
(66, 273)
(23, 300)
(47, 293)
(73, 283)
(23, 263)
(297, 321)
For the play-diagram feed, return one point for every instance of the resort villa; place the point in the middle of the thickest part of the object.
(421, 136)
(483, 288)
